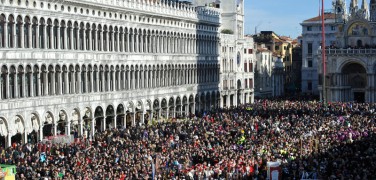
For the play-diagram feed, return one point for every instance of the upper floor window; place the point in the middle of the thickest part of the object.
(309, 48)
(309, 28)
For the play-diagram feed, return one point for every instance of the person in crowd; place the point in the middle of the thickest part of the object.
(309, 139)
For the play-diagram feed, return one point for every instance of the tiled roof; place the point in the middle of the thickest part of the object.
(262, 50)
(318, 18)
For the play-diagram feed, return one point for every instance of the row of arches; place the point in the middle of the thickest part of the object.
(58, 79)
(85, 121)
(50, 33)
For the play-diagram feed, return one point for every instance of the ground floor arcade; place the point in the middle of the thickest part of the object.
(86, 119)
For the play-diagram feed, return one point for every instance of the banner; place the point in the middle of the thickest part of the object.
(274, 171)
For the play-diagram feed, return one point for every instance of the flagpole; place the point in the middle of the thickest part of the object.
(323, 53)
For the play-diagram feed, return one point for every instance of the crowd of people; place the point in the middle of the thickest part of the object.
(309, 140)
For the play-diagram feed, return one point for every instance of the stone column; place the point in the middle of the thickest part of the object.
(100, 41)
(58, 38)
(6, 45)
(158, 46)
(115, 119)
(121, 39)
(36, 37)
(117, 49)
(71, 38)
(95, 39)
(127, 43)
(103, 124)
(83, 38)
(109, 76)
(65, 79)
(118, 76)
(13, 35)
(22, 39)
(53, 91)
(142, 80)
(45, 82)
(8, 141)
(128, 79)
(23, 84)
(141, 42)
(133, 119)
(136, 45)
(221, 101)
(58, 83)
(51, 39)
(65, 37)
(78, 83)
(114, 83)
(112, 41)
(68, 128)
(91, 85)
(107, 34)
(228, 102)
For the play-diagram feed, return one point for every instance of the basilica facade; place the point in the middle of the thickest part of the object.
(351, 60)
(72, 67)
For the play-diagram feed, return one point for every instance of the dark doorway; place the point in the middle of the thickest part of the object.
(359, 43)
(359, 97)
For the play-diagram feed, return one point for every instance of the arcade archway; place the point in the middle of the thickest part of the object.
(148, 112)
(33, 136)
(355, 77)
(120, 116)
(197, 104)
(99, 117)
(202, 102)
(191, 108)
(139, 113)
(3, 132)
(62, 123)
(179, 110)
(130, 115)
(110, 117)
(156, 110)
(19, 130)
(75, 124)
(48, 126)
(171, 108)
(207, 102)
(164, 109)
(88, 127)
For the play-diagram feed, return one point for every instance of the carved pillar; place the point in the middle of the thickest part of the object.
(22, 39)
(6, 45)
(58, 38)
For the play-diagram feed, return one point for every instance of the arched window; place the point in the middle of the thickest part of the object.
(75, 36)
(27, 32)
(41, 37)
(11, 32)
(62, 35)
(81, 38)
(2, 30)
(56, 35)
(49, 33)
(69, 31)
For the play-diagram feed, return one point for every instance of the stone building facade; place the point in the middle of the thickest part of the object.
(351, 63)
(80, 67)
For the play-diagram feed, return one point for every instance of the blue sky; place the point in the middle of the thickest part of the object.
(281, 16)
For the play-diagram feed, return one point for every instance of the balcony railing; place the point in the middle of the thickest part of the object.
(350, 51)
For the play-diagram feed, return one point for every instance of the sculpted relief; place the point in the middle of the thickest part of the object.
(3, 128)
(358, 29)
